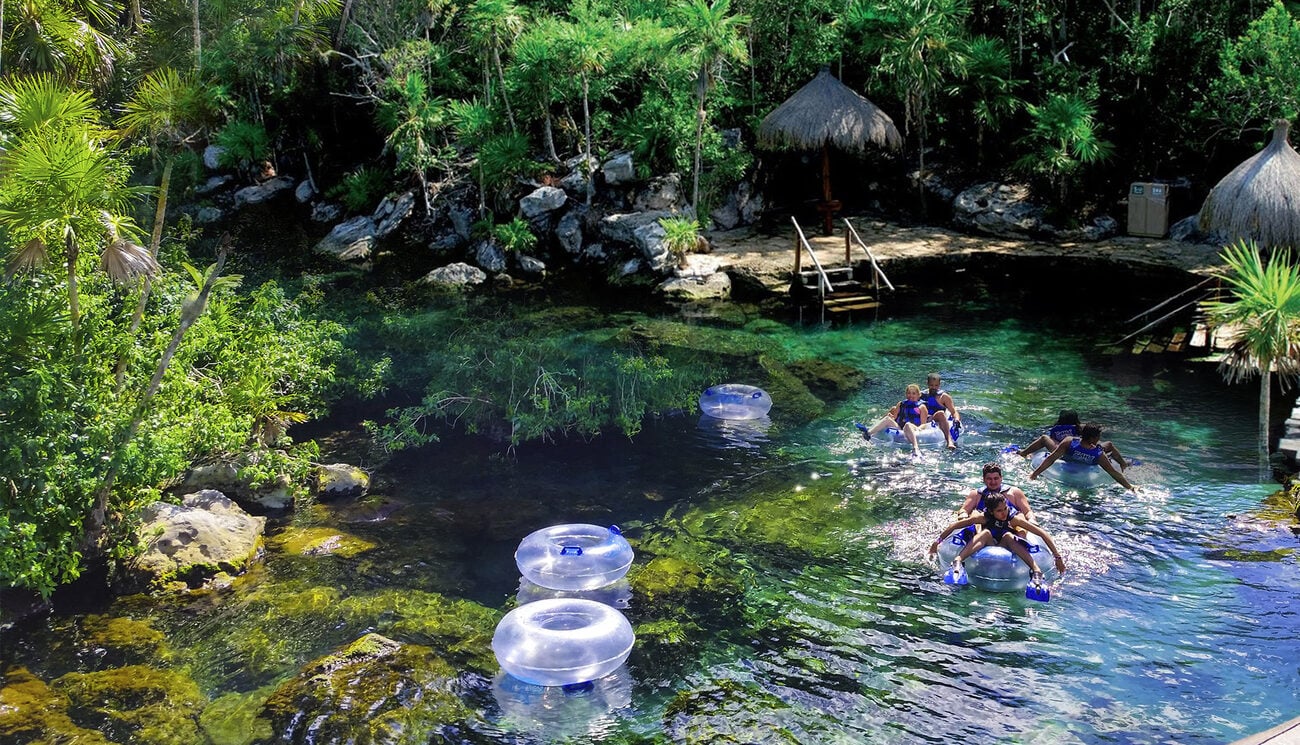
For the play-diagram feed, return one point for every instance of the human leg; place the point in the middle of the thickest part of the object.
(1016, 546)
(885, 423)
(909, 432)
(941, 419)
(1109, 449)
(1043, 441)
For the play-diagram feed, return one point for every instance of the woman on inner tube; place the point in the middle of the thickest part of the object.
(998, 527)
(1085, 449)
(907, 416)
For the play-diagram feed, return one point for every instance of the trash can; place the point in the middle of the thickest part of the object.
(1148, 209)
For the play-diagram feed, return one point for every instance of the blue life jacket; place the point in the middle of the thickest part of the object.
(909, 411)
(1079, 454)
(1060, 432)
(932, 401)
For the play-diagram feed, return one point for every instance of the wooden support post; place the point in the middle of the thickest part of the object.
(798, 253)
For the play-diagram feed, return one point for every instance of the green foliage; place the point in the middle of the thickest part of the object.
(681, 235)
(244, 143)
(360, 190)
(515, 236)
(1259, 79)
(502, 159)
(1062, 140)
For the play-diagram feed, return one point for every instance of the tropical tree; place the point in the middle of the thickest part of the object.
(989, 86)
(63, 184)
(585, 54)
(66, 39)
(413, 118)
(167, 110)
(921, 47)
(1062, 138)
(536, 64)
(1265, 310)
(710, 35)
(495, 25)
(1259, 80)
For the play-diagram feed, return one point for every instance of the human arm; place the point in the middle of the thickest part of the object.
(1020, 522)
(968, 504)
(958, 525)
(1021, 502)
(1060, 450)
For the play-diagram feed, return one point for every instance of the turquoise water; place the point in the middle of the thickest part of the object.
(1174, 623)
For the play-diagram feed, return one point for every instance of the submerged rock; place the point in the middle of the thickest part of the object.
(373, 690)
(136, 704)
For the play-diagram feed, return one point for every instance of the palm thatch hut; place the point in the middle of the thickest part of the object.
(1260, 199)
(826, 113)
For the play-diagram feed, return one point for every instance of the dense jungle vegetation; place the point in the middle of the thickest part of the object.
(136, 344)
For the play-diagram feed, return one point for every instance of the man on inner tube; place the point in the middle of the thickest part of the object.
(942, 410)
(1016, 499)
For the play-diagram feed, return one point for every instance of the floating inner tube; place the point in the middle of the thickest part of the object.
(926, 434)
(576, 556)
(562, 641)
(995, 568)
(1079, 475)
(735, 401)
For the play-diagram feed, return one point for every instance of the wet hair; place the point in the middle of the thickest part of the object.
(992, 502)
(992, 467)
(1090, 431)
(1068, 416)
(933, 376)
(914, 388)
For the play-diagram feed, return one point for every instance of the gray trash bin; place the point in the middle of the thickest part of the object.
(1148, 209)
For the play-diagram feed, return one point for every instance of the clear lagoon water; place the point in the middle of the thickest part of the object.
(1177, 620)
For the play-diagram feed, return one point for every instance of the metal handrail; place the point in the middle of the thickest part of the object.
(824, 285)
(1167, 301)
(875, 267)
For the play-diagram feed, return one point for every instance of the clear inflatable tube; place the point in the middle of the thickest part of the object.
(562, 641)
(1079, 475)
(576, 556)
(995, 568)
(735, 401)
(926, 434)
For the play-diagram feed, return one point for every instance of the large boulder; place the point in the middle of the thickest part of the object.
(619, 170)
(351, 240)
(543, 200)
(263, 192)
(459, 274)
(392, 212)
(193, 541)
(1002, 210)
(338, 480)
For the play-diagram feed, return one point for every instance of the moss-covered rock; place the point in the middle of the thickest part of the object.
(460, 629)
(119, 641)
(136, 704)
(373, 690)
(340, 480)
(190, 542)
(319, 541)
(33, 712)
(232, 719)
(731, 712)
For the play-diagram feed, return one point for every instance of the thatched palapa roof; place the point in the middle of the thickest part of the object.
(1260, 199)
(827, 112)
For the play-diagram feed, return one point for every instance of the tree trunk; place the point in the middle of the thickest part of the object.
(74, 302)
(98, 520)
(343, 23)
(699, 143)
(586, 140)
(505, 95)
(548, 136)
(1265, 389)
(198, 40)
(155, 242)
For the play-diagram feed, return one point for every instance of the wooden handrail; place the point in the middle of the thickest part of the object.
(825, 281)
(880, 273)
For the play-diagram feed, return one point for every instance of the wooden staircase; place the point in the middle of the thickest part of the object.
(1183, 330)
(835, 289)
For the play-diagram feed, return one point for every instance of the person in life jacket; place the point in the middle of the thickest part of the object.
(1067, 425)
(942, 409)
(1084, 449)
(907, 417)
(998, 527)
(977, 499)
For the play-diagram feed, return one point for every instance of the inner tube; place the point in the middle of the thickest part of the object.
(562, 641)
(735, 401)
(996, 569)
(1078, 475)
(926, 434)
(576, 556)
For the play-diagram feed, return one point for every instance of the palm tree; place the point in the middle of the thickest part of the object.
(586, 54)
(1062, 139)
(412, 119)
(536, 65)
(65, 39)
(165, 108)
(62, 184)
(494, 25)
(710, 36)
(1265, 308)
(920, 44)
(989, 85)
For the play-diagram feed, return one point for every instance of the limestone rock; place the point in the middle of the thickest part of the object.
(205, 534)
